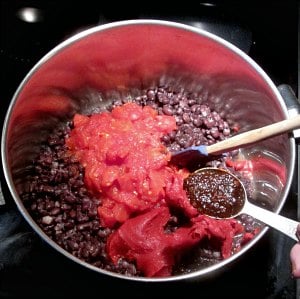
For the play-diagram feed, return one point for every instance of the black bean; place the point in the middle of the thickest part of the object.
(55, 211)
(179, 111)
(65, 206)
(186, 117)
(214, 131)
(162, 98)
(151, 94)
(167, 109)
(191, 102)
(179, 121)
(166, 139)
(72, 214)
(176, 99)
(73, 245)
(209, 122)
(84, 226)
(70, 199)
(226, 131)
(197, 121)
(59, 218)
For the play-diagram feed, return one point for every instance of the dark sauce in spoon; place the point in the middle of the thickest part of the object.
(215, 192)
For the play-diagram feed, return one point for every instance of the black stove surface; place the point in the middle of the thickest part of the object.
(28, 266)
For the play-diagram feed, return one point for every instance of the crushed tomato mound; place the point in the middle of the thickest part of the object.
(127, 167)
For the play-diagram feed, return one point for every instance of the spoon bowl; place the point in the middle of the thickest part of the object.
(220, 194)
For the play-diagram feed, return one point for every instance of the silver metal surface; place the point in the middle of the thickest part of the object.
(292, 103)
(298, 147)
(2, 200)
(282, 224)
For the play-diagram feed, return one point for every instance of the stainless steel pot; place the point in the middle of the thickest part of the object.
(87, 70)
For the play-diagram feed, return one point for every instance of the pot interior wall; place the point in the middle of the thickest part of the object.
(85, 73)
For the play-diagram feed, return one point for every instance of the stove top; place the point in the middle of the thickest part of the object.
(29, 29)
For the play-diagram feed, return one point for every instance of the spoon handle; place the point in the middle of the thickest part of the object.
(281, 223)
(255, 135)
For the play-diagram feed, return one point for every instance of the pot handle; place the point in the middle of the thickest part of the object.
(2, 201)
(293, 106)
(292, 103)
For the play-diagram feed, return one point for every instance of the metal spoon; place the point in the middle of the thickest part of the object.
(220, 194)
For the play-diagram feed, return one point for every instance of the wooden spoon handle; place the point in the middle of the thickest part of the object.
(255, 135)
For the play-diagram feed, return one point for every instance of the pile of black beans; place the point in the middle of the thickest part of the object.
(57, 199)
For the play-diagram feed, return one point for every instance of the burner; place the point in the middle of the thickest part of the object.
(29, 29)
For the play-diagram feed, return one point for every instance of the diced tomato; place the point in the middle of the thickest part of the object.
(124, 157)
(110, 213)
(80, 120)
